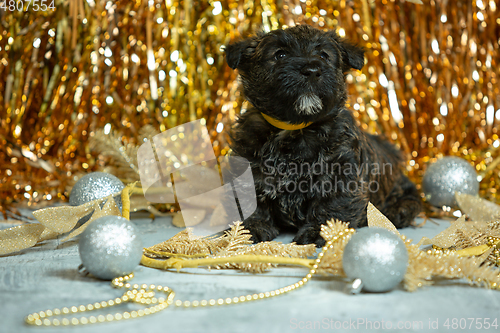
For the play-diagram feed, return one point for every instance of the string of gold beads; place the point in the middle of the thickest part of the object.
(276, 292)
(135, 295)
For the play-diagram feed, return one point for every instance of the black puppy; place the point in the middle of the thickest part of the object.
(310, 161)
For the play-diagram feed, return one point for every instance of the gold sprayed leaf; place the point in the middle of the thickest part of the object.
(377, 219)
(48, 234)
(109, 208)
(469, 239)
(447, 237)
(185, 243)
(53, 222)
(64, 218)
(476, 208)
(483, 257)
(465, 239)
(20, 238)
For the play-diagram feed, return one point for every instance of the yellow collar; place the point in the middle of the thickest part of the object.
(283, 125)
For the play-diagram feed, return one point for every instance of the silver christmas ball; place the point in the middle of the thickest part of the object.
(110, 247)
(447, 176)
(94, 186)
(376, 256)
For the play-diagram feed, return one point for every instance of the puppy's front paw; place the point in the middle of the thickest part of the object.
(261, 232)
(309, 234)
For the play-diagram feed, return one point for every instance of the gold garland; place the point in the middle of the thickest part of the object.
(67, 73)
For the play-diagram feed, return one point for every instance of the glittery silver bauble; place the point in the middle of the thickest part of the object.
(110, 247)
(446, 176)
(376, 256)
(94, 186)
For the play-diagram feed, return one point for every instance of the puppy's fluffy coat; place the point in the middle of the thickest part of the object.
(297, 76)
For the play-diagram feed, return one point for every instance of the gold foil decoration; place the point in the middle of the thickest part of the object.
(430, 83)
(377, 219)
(20, 238)
(476, 208)
(424, 266)
(63, 219)
(446, 238)
(54, 221)
(110, 208)
(471, 238)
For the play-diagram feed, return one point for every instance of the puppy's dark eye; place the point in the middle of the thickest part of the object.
(280, 54)
(324, 55)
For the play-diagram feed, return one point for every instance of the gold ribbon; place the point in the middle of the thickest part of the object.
(54, 221)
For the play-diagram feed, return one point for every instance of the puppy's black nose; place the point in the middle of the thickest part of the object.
(311, 71)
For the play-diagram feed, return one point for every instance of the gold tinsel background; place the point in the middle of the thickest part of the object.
(430, 83)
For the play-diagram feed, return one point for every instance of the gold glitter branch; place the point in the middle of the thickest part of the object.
(243, 262)
(332, 261)
(286, 254)
(122, 157)
(425, 265)
(231, 250)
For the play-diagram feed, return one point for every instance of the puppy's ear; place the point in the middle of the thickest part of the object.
(239, 52)
(352, 55)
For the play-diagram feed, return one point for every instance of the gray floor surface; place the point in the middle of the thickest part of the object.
(46, 277)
